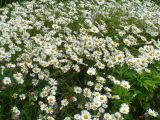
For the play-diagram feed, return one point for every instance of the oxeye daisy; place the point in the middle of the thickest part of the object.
(6, 80)
(85, 115)
(51, 100)
(100, 2)
(124, 108)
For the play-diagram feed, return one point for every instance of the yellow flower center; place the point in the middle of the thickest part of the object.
(85, 116)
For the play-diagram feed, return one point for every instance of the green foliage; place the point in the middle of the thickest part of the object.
(156, 1)
(145, 87)
(6, 2)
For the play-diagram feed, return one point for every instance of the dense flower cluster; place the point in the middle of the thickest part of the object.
(65, 53)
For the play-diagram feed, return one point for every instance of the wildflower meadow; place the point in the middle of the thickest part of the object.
(80, 60)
